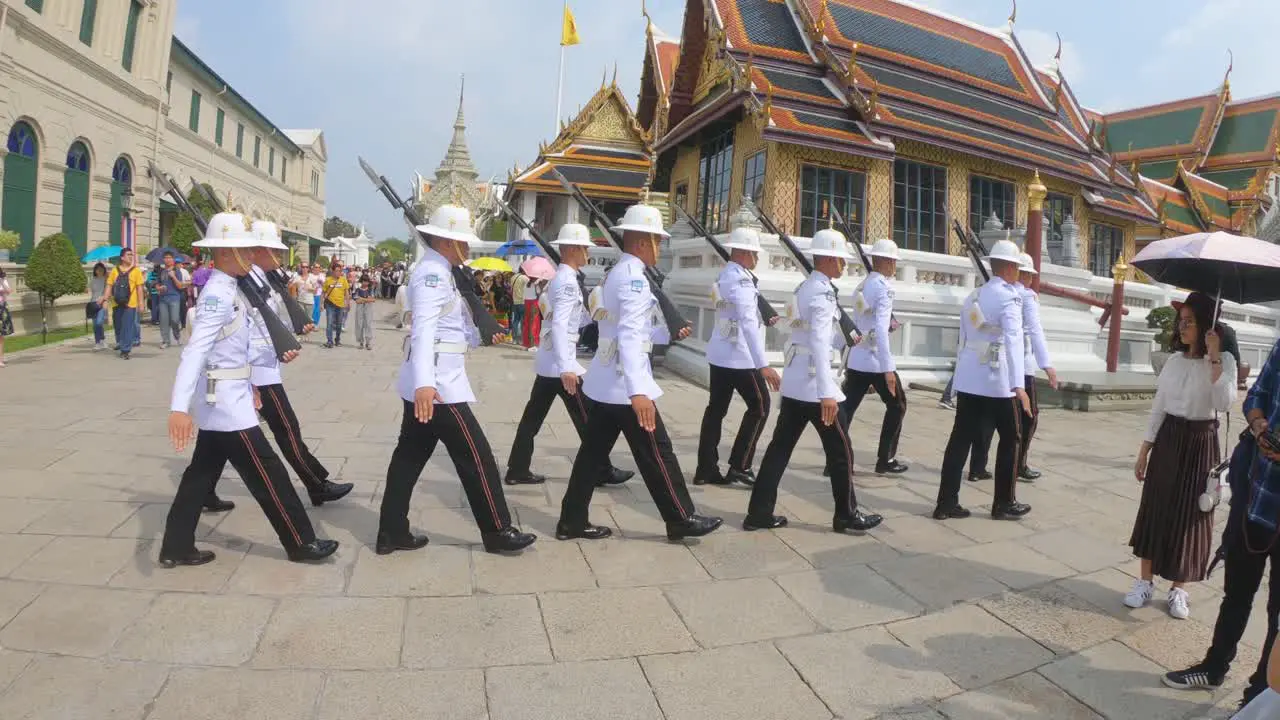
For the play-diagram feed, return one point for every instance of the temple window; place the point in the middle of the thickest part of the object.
(1057, 207)
(822, 187)
(988, 196)
(753, 175)
(682, 195)
(1106, 242)
(714, 173)
(920, 206)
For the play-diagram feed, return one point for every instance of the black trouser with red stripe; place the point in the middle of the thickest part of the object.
(793, 416)
(266, 477)
(982, 448)
(856, 383)
(456, 427)
(750, 385)
(654, 457)
(974, 413)
(544, 392)
(278, 413)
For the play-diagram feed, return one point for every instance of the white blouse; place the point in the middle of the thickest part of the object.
(1184, 391)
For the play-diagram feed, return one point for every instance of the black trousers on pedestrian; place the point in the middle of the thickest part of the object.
(258, 465)
(651, 450)
(973, 414)
(750, 385)
(982, 448)
(856, 383)
(543, 394)
(793, 416)
(283, 421)
(456, 427)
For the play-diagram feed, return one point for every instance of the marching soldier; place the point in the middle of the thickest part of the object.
(736, 355)
(621, 383)
(434, 387)
(268, 386)
(215, 371)
(558, 372)
(810, 395)
(871, 363)
(990, 386)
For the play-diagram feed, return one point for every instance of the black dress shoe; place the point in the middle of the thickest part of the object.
(955, 512)
(826, 471)
(860, 522)
(524, 478)
(507, 540)
(589, 532)
(387, 544)
(616, 476)
(980, 475)
(328, 492)
(1009, 511)
(893, 467)
(711, 476)
(191, 557)
(777, 521)
(1027, 474)
(215, 504)
(314, 550)
(746, 477)
(692, 526)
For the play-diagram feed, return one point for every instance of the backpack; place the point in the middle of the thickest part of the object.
(121, 289)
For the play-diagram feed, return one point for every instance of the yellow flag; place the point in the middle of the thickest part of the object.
(569, 33)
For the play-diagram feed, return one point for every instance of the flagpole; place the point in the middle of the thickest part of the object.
(559, 93)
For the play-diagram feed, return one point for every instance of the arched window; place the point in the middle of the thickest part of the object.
(18, 202)
(121, 178)
(75, 197)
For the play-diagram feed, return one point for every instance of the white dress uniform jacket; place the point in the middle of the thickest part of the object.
(991, 353)
(226, 351)
(807, 373)
(441, 335)
(737, 341)
(260, 376)
(564, 314)
(620, 367)
(1036, 355)
(872, 308)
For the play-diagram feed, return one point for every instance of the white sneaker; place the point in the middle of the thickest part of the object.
(1179, 604)
(1141, 593)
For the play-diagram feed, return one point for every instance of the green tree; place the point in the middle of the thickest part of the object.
(54, 270)
(391, 250)
(322, 262)
(337, 227)
(184, 228)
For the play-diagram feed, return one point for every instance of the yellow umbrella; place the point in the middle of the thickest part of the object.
(491, 263)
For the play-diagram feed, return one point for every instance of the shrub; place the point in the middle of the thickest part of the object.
(1162, 319)
(9, 240)
(54, 270)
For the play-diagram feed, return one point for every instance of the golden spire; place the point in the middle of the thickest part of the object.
(768, 99)
(615, 74)
(1226, 79)
(851, 69)
(648, 20)
(749, 69)
(820, 22)
(1013, 16)
(875, 99)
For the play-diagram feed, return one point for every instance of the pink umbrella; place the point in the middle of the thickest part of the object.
(539, 268)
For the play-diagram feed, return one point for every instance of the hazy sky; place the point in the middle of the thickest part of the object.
(380, 77)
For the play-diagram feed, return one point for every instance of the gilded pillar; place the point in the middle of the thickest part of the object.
(1036, 193)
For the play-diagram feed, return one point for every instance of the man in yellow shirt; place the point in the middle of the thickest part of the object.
(334, 295)
(125, 285)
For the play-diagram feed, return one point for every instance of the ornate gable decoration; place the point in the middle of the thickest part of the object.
(607, 117)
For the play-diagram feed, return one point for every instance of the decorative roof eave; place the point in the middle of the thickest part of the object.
(569, 132)
(1080, 120)
(728, 20)
(708, 112)
(805, 139)
(761, 81)
(785, 125)
(1139, 210)
(538, 179)
(1199, 190)
(1224, 94)
(1210, 104)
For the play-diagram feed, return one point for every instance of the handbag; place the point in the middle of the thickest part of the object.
(91, 309)
(1216, 486)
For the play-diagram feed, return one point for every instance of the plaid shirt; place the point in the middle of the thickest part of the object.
(1265, 479)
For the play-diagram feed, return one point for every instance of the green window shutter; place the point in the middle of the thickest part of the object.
(271, 161)
(130, 34)
(115, 213)
(168, 87)
(239, 140)
(37, 5)
(75, 209)
(257, 151)
(18, 206)
(217, 128)
(284, 175)
(194, 121)
(87, 18)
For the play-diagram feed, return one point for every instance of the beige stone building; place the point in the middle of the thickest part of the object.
(92, 91)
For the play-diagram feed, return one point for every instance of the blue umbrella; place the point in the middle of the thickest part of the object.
(519, 247)
(102, 254)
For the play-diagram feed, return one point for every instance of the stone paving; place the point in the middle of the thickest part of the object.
(967, 620)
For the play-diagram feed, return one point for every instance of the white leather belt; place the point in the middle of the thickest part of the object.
(215, 375)
(608, 349)
(727, 329)
(546, 341)
(988, 352)
(794, 350)
(451, 348)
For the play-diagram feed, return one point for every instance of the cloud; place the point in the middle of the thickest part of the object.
(1041, 46)
(1197, 48)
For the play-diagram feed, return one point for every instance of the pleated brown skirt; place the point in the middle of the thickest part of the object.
(1170, 529)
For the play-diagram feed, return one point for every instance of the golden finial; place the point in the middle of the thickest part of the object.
(750, 67)
(645, 12)
(1133, 170)
(875, 100)
(615, 74)
(1111, 169)
(1102, 135)
(850, 71)
(1057, 57)
(768, 98)
(853, 54)
(1013, 16)
(1226, 79)
(820, 22)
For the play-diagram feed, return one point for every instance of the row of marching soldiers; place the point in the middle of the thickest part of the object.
(614, 396)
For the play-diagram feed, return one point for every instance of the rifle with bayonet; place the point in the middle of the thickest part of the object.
(279, 281)
(767, 313)
(462, 280)
(670, 314)
(866, 259)
(282, 340)
(972, 247)
(850, 331)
